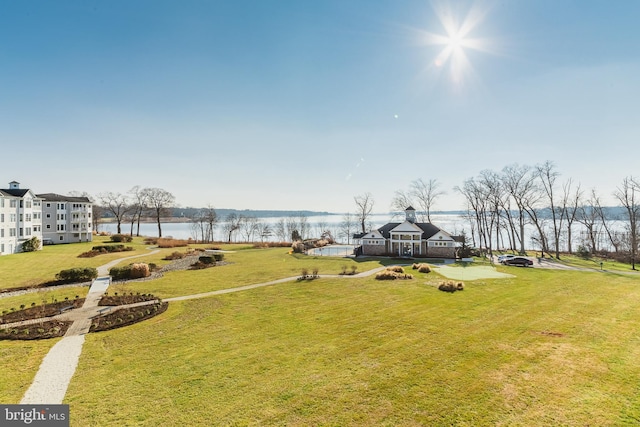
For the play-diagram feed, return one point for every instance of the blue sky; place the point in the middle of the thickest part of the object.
(303, 105)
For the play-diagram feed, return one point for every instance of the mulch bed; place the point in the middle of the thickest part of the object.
(127, 316)
(126, 299)
(46, 310)
(38, 331)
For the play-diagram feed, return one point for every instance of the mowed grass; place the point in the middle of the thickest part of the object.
(543, 348)
(33, 268)
(20, 362)
(245, 267)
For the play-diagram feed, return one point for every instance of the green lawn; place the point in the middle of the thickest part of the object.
(546, 347)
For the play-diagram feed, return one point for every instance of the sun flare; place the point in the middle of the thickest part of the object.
(455, 40)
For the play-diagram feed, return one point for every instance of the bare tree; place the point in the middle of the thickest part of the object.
(347, 226)
(629, 194)
(203, 223)
(159, 202)
(401, 201)
(569, 208)
(589, 216)
(519, 183)
(364, 208)
(426, 194)
(547, 176)
(116, 204)
(264, 230)
(137, 207)
(280, 230)
(231, 225)
(248, 227)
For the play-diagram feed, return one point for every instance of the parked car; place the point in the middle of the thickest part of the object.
(518, 260)
(503, 257)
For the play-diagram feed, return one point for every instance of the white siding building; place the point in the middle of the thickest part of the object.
(66, 219)
(20, 218)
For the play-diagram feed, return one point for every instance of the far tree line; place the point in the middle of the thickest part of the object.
(500, 204)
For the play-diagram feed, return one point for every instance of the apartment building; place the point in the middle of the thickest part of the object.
(20, 217)
(66, 219)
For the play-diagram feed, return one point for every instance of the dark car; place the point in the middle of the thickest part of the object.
(518, 260)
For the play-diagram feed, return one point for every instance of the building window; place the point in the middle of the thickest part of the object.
(28, 204)
(27, 231)
(48, 226)
(12, 217)
(12, 232)
(48, 205)
(48, 215)
(61, 237)
(1, 232)
(12, 203)
(1, 217)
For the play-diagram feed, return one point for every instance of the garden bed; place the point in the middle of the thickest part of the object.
(36, 331)
(39, 311)
(127, 316)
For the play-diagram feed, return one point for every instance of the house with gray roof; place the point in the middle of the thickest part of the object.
(408, 238)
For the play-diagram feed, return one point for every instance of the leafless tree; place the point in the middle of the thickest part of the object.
(547, 176)
(364, 209)
(159, 202)
(137, 206)
(589, 216)
(231, 225)
(628, 194)
(426, 194)
(117, 204)
(280, 230)
(264, 230)
(248, 227)
(401, 201)
(203, 223)
(520, 184)
(569, 208)
(347, 227)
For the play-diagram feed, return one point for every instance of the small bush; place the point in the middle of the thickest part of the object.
(120, 273)
(171, 243)
(451, 286)
(297, 247)
(206, 259)
(218, 257)
(74, 275)
(424, 268)
(121, 238)
(139, 270)
(31, 245)
(174, 256)
(393, 273)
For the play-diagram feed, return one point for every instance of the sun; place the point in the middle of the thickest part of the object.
(456, 40)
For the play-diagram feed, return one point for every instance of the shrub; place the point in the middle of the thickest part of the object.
(451, 286)
(139, 270)
(218, 257)
(174, 256)
(121, 238)
(583, 252)
(171, 243)
(120, 273)
(206, 259)
(393, 273)
(297, 247)
(33, 244)
(424, 268)
(74, 275)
